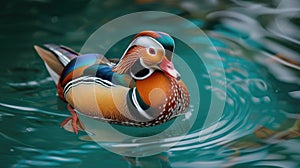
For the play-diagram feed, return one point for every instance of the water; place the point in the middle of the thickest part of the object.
(259, 46)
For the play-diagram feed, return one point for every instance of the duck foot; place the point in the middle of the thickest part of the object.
(73, 121)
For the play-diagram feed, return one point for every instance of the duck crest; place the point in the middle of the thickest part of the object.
(163, 38)
(142, 89)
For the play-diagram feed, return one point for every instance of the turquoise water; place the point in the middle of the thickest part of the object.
(259, 46)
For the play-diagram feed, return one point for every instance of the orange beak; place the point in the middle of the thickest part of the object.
(168, 67)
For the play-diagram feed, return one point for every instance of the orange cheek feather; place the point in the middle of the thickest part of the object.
(155, 89)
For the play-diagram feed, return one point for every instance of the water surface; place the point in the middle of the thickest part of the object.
(259, 46)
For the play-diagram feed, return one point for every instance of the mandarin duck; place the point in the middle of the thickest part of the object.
(141, 89)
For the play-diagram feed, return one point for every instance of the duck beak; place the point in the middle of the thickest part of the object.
(168, 67)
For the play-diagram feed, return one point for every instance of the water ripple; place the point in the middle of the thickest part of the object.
(31, 109)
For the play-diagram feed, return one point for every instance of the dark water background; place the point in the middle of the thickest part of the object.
(259, 44)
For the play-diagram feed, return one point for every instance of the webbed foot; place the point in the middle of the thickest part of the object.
(73, 121)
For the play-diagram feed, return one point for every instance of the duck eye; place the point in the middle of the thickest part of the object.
(151, 51)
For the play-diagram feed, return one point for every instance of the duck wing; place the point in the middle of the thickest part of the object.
(105, 72)
(55, 58)
(58, 57)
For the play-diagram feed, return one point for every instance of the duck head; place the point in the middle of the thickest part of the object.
(147, 52)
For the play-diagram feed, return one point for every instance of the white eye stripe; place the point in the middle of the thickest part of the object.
(144, 41)
(147, 42)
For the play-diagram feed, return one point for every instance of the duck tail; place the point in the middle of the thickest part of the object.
(55, 58)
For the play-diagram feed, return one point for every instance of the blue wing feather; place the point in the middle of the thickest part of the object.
(105, 72)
